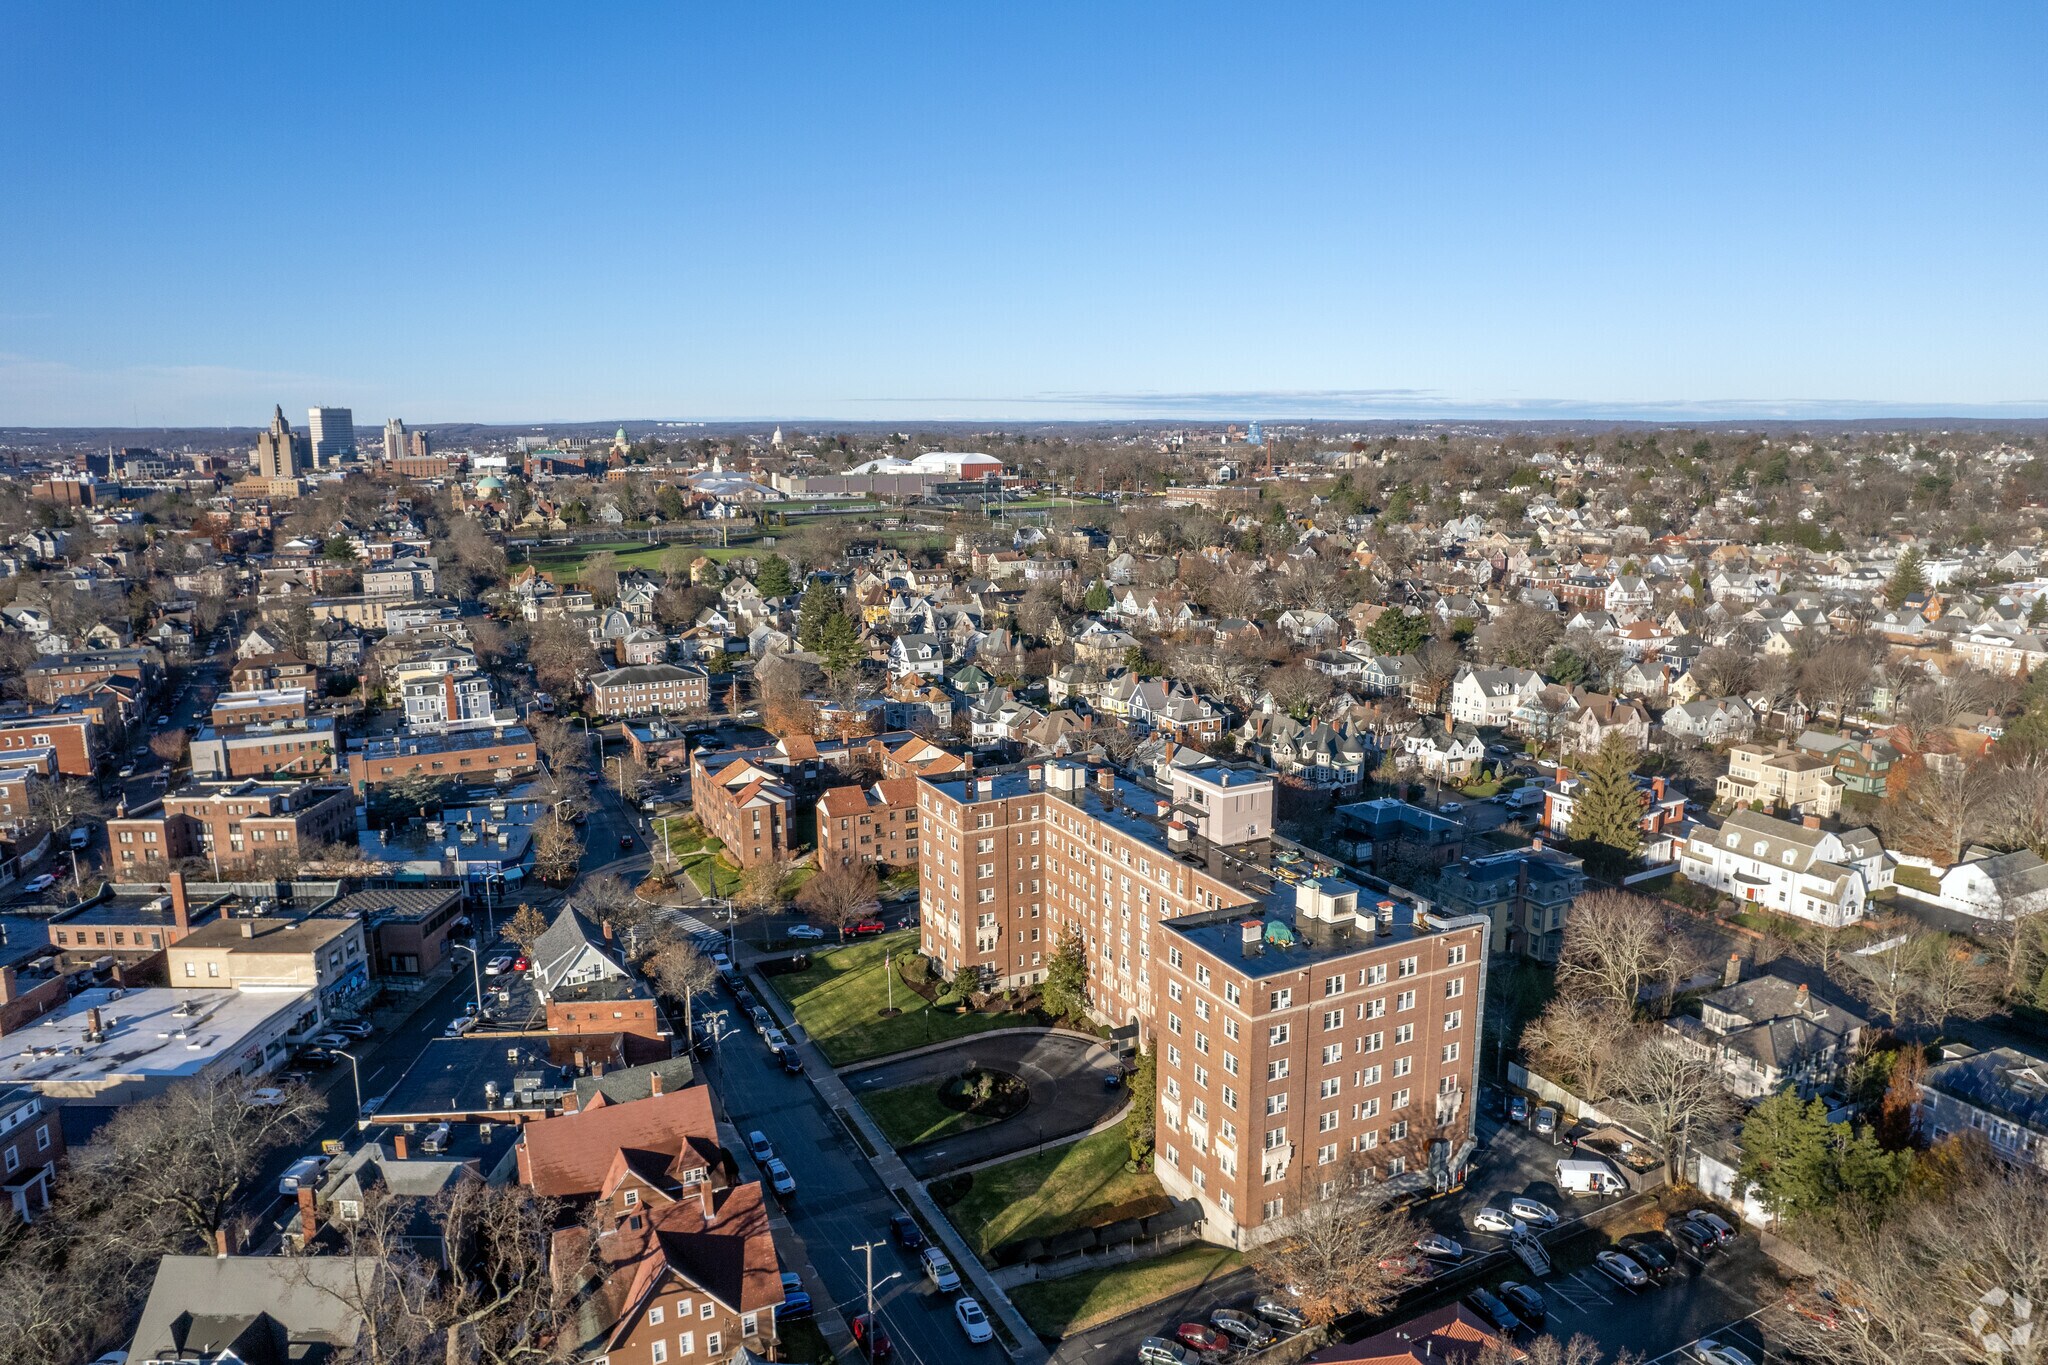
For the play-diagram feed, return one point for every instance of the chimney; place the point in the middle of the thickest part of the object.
(248, 928)
(1162, 809)
(398, 1146)
(1251, 937)
(1801, 999)
(220, 1243)
(180, 911)
(1536, 845)
(709, 1197)
(582, 1060)
(92, 1023)
(309, 1215)
(1810, 821)
(607, 926)
(1105, 779)
(653, 1083)
(1732, 972)
(1385, 917)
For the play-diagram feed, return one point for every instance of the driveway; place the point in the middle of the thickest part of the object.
(1064, 1072)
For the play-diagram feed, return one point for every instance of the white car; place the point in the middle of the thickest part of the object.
(1438, 1247)
(1713, 1352)
(1533, 1211)
(779, 1178)
(1493, 1220)
(775, 1038)
(938, 1268)
(812, 932)
(269, 1097)
(973, 1321)
(458, 1027)
(332, 1040)
(36, 885)
(498, 965)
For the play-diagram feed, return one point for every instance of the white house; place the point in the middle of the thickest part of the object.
(1795, 869)
(1491, 696)
(1996, 886)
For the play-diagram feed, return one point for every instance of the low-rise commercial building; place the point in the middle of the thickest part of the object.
(480, 755)
(328, 956)
(300, 748)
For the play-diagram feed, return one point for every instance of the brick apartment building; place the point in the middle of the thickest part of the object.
(73, 737)
(875, 824)
(261, 707)
(127, 928)
(744, 805)
(234, 824)
(644, 689)
(1300, 1034)
(31, 1145)
(51, 679)
(476, 754)
(302, 748)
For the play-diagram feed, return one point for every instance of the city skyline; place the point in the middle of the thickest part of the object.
(954, 216)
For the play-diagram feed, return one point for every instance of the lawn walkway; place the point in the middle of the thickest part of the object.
(1059, 1308)
(1080, 1185)
(840, 999)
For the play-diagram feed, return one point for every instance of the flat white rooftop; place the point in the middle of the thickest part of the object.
(157, 1035)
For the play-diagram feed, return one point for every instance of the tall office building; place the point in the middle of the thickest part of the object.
(1306, 1034)
(279, 453)
(334, 435)
(394, 440)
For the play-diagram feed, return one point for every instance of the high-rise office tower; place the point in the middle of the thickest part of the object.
(334, 435)
(280, 454)
(394, 440)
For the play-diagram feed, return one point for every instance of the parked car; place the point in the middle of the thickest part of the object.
(775, 1038)
(938, 1268)
(331, 1040)
(266, 1097)
(779, 1178)
(1622, 1270)
(1545, 1125)
(1496, 1311)
(1695, 1239)
(1160, 1351)
(1451, 808)
(37, 884)
(809, 932)
(127, 770)
(1494, 1220)
(1202, 1337)
(1518, 1109)
(866, 927)
(520, 964)
(354, 1028)
(874, 1343)
(763, 1020)
(1439, 1247)
(1243, 1328)
(1279, 1312)
(973, 1321)
(1712, 1352)
(1724, 1232)
(1659, 1261)
(796, 1300)
(1533, 1211)
(307, 1170)
(498, 965)
(907, 1234)
(457, 1027)
(792, 1061)
(79, 838)
(1527, 1302)
(760, 1146)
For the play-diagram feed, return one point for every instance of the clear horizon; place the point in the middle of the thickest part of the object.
(469, 213)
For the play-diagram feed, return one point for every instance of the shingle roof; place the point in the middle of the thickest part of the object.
(571, 1153)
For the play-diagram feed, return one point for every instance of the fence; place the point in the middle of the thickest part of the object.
(1574, 1107)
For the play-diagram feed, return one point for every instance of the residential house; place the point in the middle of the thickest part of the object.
(1996, 886)
(2000, 1094)
(1490, 697)
(1449, 754)
(1711, 721)
(876, 824)
(1771, 1032)
(1801, 870)
(1526, 892)
(1861, 766)
(1779, 778)
(250, 1310)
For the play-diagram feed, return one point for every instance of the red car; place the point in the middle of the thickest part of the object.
(1202, 1337)
(874, 1345)
(866, 927)
(520, 964)
(625, 841)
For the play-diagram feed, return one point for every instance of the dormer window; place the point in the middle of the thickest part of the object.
(632, 1198)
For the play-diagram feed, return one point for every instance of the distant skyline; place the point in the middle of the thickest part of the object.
(514, 213)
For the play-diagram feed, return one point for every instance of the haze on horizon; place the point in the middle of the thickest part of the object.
(469, 213)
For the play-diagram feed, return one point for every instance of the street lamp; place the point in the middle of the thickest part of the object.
(869, 1248)
(476, 970)
(355, 1072)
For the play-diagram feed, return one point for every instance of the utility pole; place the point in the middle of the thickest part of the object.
(869, 1248)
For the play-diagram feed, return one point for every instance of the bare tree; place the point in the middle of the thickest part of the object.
(1616, 945)
(1673, 1096)
(557, 848)
(1578, 1041)
(525, 927)
(682, 972)
(1939, 809)
(1722, 671)
(1334, 1254)
(761, 886)
(841, 894)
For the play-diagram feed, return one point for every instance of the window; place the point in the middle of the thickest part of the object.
(1405, 1000)
(1453, 1019)
(1400, 1101)
(1332, 1019)
(1276, 1069)
(1408, 966)
(632, 1198)
(1277, 1104)
(656, 1315)
(1329, 1087)
(1404, 1034)
(658, 1352)
(1282, 999)
(1276, 1035)
(711, 1340)
(191, 969)
(1272, 1209)
(1450, 1052)
(1332, 1053)
(749, 1324)
(1454, 988)
(707, 1309)
(1403, 1065)
(1455, 955)
(1231, 992)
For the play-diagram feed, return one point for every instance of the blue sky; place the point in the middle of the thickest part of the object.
(507, 212)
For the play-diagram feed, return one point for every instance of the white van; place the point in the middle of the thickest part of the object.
(1589, 1177)
(307, 1170)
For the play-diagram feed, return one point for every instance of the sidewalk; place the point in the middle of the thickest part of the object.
(897, 1177)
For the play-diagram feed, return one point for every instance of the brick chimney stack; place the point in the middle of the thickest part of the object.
(1811, 821)
(398, 1146)
(181, 914)
(1801, 999)
(1732, 973)
(654, 1082)
(606, 925)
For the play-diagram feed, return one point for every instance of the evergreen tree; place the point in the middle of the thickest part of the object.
(820, 604)
(1139, 1123)
(1799, 1165)
(1065, 991)
(1396, 632)
(775, 579)
(1608, 817)
(1907, 578)
(2037, 615)
(839, 645)
(1097, 598)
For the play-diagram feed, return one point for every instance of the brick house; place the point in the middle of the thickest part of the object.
(73, 737)
(644, 689)
(31, 1145)
(745, 806)
(302, 748)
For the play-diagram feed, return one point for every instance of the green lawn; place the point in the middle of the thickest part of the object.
(840, 1000)
(710, 874)
(914, 1113)
(1059, 1308)
(1077, 1186)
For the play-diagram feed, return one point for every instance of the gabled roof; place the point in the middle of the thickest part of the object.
(573, 1154)
(563, 941)
(271, 1310)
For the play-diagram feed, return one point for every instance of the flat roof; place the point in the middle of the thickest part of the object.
(123, 910)
(156, 1033)
(451, 1075)
(386, 903)
(405, 746)
(268, 935)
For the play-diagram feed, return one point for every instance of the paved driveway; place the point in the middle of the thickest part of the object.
(1065, 1075)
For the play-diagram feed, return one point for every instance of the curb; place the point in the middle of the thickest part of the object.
(922, 1049)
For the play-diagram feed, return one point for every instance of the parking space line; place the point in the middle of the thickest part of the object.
(1726, 1329)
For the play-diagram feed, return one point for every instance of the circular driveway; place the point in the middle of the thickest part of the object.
(1064, 1074)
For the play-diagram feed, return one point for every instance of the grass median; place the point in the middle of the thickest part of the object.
(915, 1113)
(1059, 1308)
(841, 998)
(1080, 1185)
